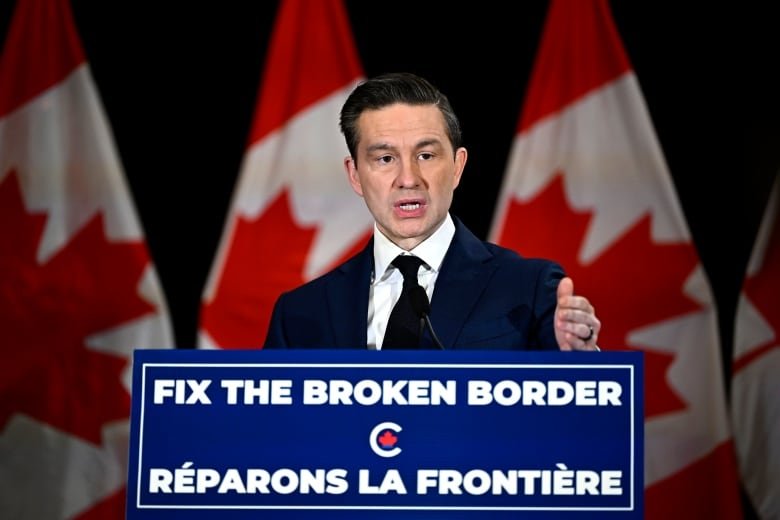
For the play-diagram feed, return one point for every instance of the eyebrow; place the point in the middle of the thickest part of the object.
(379, 146)
(420, 144)
(429, 142)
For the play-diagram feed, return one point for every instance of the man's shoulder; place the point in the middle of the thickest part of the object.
(342, 272)
(511, 257)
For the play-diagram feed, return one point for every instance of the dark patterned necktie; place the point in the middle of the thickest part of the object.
(403, 328)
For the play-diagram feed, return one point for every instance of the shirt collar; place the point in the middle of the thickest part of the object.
(431, 250)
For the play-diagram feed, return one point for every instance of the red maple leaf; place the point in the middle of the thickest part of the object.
(49, 310)
(267, 257)
(387, 439)
(634, 283)
(761, 289)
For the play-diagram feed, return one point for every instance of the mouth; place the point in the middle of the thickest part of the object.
(410, 207)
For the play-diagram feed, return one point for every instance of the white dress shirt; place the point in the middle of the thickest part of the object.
(386, 288)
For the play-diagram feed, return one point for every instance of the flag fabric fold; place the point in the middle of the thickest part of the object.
(587, 184)
(78, 291)
(755, 386)
(293, 214)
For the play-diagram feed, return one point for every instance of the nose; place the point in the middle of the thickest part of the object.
(409, 175)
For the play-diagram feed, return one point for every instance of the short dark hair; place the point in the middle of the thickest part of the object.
(389, 89)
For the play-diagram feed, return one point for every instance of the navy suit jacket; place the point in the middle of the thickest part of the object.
(485, 297)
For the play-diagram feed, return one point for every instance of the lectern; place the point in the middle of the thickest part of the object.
(354, 434)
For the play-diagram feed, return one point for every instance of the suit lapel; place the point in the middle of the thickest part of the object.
(464, 273)
(348, 299)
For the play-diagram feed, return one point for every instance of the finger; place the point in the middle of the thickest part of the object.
(577, 343)
(575, 316)
(585, 332)
(565, 288)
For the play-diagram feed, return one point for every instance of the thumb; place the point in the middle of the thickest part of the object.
(565, 287)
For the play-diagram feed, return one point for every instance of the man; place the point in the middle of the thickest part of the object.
(406, 160)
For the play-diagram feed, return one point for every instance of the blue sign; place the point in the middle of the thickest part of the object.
(399, 434)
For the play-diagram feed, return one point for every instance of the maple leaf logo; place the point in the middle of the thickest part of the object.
(387, 439)
(47, 312)
(634, 283)
(761, 289)
(267, 257)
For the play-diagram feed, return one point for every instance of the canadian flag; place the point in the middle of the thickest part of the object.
(587, 185)
(78, 291)
(293, 214)
(755, 387)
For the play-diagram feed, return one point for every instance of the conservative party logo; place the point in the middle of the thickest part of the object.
(383, 439)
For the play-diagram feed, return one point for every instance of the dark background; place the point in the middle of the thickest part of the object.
(178, 81)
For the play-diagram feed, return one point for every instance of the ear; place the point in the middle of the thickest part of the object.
(461, 155)
(352, 175)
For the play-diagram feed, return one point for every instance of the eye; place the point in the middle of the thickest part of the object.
(425, 156)
(384, 159)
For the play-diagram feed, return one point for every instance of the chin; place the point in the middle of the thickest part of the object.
(414, 232)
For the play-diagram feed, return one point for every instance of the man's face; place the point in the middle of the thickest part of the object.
(406, 170)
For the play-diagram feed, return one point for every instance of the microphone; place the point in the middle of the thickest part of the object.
(422, 308)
